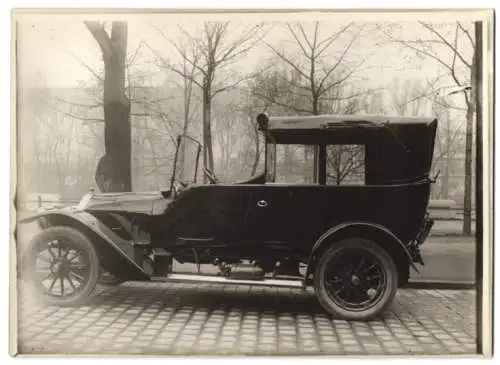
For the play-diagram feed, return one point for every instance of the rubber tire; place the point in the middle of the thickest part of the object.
(391, 286)
(78, 238)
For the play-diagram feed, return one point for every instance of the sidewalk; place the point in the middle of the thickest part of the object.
(447, 259)
(449, 228)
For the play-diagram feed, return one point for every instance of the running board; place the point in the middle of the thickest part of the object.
(297, 284)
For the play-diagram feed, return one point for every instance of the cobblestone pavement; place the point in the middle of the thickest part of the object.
(208, 319)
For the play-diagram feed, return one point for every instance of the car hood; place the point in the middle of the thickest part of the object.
(150, 203)
(142, 202)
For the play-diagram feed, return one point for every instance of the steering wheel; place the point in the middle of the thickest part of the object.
(210, 175)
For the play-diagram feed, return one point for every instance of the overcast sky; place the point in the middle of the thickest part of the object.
(51, 49)
(56, 51)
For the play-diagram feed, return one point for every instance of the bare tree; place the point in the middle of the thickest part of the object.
(209, 51)
(315, 81)
(150, 119)
(188, 69)
(314, 75)
(64, 154)
(452, 47)
(345, 162)
(408, 98)
(114, 169)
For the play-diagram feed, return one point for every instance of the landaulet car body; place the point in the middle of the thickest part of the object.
(354, 244)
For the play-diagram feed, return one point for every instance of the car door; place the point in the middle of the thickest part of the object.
(270, 216)
(212, 214)
(226, 208)
(286, 215)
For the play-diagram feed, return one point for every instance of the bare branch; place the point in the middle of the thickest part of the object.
(93, 72)
(173, 68)
(181, 51)
(231, 86)
(445, 41)
(467, 33)
(284, 58)
(444, 104)
(418, 50)
(453, 71)
(425, 53)
(83, 119)
(339, 61)
(135, 53)
(246, 41)
(276, 102)
(302, 31)
(315, 38)
(329, 40)
(352, 96)
(89, 106)
(298, 40)
(341, 80)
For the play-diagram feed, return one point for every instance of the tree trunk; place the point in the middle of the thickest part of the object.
(113, 173)
(445, 178)
(468, 172)
(204, 130)
(467, 226)
(208, 157)
(209, 138)
(187, 112)
(315, 148)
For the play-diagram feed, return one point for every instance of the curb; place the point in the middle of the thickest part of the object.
(439, 284)
(458, 237)
(450, 234)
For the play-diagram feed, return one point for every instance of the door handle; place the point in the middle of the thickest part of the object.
(262, 204)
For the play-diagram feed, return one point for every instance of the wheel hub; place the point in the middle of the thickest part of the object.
(60, 268)
(358, 280)
(355, 280)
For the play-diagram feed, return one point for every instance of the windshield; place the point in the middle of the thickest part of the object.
(186, 160)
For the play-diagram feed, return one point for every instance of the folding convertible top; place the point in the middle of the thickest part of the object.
(341, 129)
(396, 148)
(321, 122)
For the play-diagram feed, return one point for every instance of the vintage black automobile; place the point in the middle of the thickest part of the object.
(354, 244)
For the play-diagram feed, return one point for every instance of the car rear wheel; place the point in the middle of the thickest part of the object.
(62, 266)
(356, 280)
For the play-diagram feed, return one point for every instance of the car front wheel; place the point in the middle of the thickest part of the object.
(62, 266)
(356, 279)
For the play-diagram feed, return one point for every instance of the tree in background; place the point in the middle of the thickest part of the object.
(158, 112)
(452, 47)
(407, 99)
(113, 171)
(315, 78)
(210, 51)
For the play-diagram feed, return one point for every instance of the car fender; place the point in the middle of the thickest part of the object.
(102, 236)
(337, 229)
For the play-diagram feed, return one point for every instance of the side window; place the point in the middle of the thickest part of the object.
(294, 164)
(345, 165)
